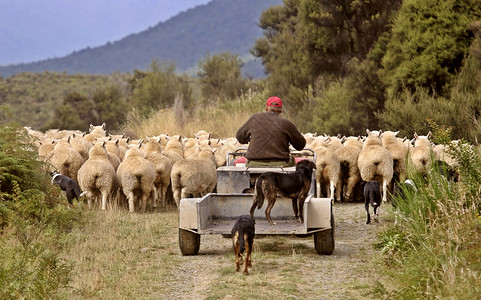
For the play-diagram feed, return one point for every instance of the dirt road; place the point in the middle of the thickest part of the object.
(286, 267)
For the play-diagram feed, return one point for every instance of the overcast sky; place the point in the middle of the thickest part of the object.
(32, 30)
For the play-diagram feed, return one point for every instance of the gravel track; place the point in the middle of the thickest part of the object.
(346, 274)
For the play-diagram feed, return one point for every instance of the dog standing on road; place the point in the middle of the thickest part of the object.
(295, 185)
(67, 184)
(243, 238)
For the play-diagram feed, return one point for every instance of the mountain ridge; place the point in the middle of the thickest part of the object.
(215, 27)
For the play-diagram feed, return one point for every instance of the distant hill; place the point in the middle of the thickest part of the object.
(219, 26)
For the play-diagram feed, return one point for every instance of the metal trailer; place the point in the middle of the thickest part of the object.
(216, 213)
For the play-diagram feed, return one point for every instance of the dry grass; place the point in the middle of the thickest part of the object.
(120, 255)
(222, 120)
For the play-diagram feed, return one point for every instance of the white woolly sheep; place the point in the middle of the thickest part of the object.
(309, 137)
(203, 135)
(375, 162)
(421, 153)
(46, 147)
(113, 149)
(54, 134)
(66, 159)
(349, 174)
(228, 146)
(80, 144)
(162, 165)
(194, 175)
(327, 171)
(136, 176)
(441, 154)
(333, 142)
(398, 152)
(174, 149)
(97, 175)
(190, 146)
(96, 132)
(317, 142)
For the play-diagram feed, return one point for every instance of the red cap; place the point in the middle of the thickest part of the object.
(274, 102)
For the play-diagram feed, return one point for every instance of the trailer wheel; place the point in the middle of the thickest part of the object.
(324, 240)
(189, 242)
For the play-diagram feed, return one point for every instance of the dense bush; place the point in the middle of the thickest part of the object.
(33, 222)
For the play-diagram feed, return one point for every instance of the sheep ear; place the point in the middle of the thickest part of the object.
(368, 132)
(429, 134)
(416, 135)
(380, 132)
(104, 125)
(104, 144)
(214, 150)
(396, 133)
(180, 138)
(128, 139)
(117, 142)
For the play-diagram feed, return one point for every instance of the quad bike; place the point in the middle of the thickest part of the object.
(216, 213)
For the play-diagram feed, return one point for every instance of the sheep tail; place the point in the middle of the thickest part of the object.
(175, 180)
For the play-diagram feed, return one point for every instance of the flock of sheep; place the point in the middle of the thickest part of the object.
(142, 171)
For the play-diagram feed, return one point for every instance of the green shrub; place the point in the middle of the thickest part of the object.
(430, 249)
(33, 222)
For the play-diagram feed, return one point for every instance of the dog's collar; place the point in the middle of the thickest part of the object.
(54, 176)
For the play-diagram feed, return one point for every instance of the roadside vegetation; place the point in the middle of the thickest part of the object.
(433, 249)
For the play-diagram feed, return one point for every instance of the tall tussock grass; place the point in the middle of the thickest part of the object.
(433, 251)
(222, 120)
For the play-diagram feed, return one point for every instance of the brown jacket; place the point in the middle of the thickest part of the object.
(269, 136)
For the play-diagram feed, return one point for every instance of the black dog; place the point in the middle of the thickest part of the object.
(372, 195)
(295, 185)
(242, 238)
(67, 184)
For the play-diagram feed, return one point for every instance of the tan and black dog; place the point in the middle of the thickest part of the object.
(295, 185)
(242, 238)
